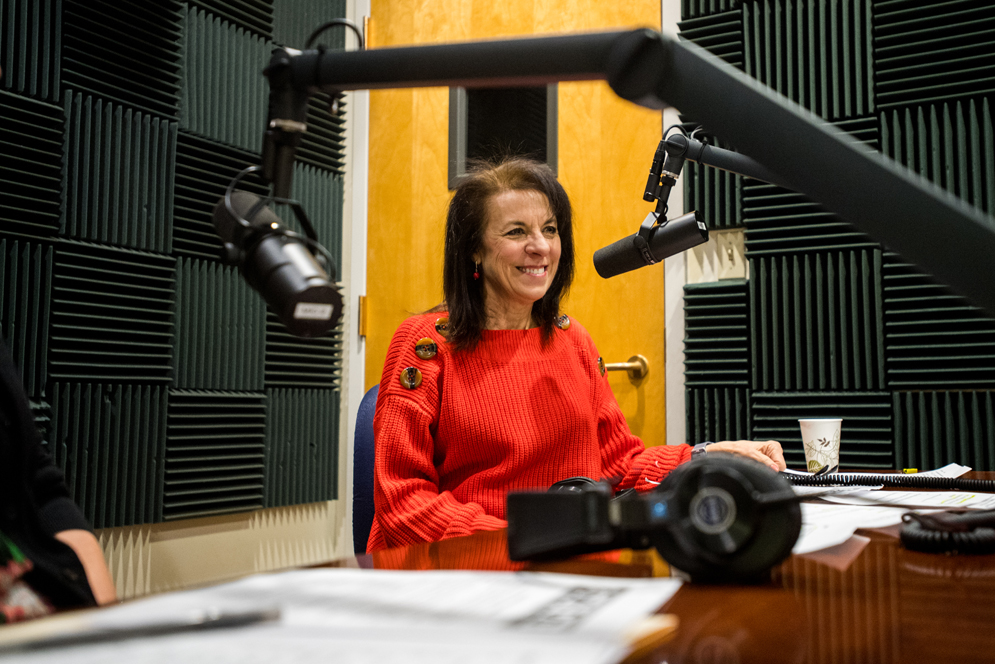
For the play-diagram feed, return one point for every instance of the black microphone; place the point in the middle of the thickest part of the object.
(647, 248)
(279, 265)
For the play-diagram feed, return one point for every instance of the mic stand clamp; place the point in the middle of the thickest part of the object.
(664, 171)
(641, 240)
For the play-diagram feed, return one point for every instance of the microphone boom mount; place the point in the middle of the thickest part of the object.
(939, 232)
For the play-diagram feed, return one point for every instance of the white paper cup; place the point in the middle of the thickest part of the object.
(821, 439)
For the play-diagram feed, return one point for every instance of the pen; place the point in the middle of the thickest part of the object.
(81, 634)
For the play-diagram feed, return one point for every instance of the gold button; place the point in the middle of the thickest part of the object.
(442, 326)
(410, 378)
(563, 322)
(425, 348)
(601, 365)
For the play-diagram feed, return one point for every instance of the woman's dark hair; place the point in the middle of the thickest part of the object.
(465, 221)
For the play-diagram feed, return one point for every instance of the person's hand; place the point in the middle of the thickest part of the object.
(767, 452)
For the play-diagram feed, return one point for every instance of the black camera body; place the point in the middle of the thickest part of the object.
(720, 519)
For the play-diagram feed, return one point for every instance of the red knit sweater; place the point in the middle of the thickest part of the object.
(511, 414)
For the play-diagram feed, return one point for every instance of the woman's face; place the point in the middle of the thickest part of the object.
(520, 250)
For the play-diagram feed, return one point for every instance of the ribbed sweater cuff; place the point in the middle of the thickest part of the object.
(462, 525)
(652, 466)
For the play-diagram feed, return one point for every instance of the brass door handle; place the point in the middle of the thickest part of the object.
(637, 366)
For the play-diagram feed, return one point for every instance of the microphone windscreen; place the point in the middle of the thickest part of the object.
(618, 257)
(227, 226)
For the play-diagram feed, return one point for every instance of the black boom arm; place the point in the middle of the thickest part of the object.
(908, 214)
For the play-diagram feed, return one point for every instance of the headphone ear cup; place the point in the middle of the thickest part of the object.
(720, 532)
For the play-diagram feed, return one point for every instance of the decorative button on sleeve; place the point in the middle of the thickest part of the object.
(442, 326)
(410, 378)
(425, 348)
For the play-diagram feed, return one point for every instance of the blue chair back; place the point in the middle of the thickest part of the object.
(362, 467)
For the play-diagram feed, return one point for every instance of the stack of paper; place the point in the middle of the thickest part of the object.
(358, 616)
(860, 507)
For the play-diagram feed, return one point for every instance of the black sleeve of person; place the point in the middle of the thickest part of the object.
(34, 500)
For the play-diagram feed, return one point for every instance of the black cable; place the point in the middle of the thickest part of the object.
(964, 533)
(681, 127)
(908, 481)
(337, 21)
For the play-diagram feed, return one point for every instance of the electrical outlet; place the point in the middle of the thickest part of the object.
(732, 261)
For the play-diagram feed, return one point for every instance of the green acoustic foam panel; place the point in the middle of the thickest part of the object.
(933, 50)
(717, 413)
(110, 442)
(818, 54)
(292, 361)
(777, 219)
(867, 424)
(321, 193)
(254, 16)
(933, 429)
(215, 449)
(295, 20)
(118, 176)
(717, 334)
(126, 51)
(323, 144)
(696, 8)
(31, 139)
(721, 34)
(225, 95)
(817, 322)
(220, 329)
(25, 289)
(111, 315)
(832, 316)
(952, 144)
(715, 194)
(204, 170)
(302, 435)
(780, 221)
(934, 339)
(30, 47)
(146, 360)
(295, 362)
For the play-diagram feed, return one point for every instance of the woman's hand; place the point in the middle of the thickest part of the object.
(767, 452)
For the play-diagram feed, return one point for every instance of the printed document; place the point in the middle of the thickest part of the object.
(356, 616)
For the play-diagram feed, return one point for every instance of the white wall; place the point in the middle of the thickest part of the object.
(675, 276)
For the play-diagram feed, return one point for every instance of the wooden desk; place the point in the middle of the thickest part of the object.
(890, 605)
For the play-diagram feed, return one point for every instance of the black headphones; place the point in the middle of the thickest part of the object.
(720, 519)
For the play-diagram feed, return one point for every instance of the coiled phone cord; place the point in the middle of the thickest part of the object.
(905, 481)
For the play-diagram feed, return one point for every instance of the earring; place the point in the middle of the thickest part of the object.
(476, 270)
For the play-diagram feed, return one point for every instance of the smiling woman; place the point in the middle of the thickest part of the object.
(518, 257)
(504, 217)
(497, 389)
